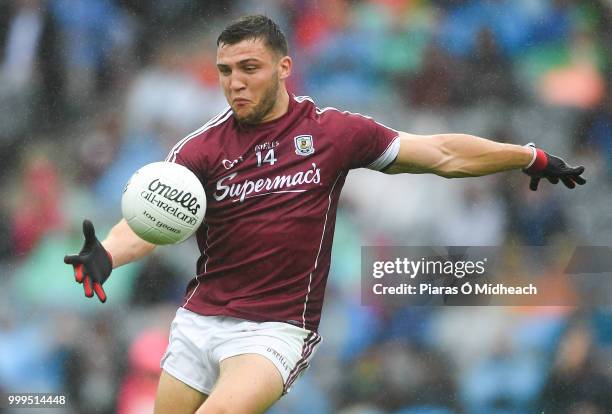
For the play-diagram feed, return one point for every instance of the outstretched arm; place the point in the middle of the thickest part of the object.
(457, 155)
(461, 155)
(124, 245)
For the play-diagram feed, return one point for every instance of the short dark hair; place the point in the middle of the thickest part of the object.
(255, 27)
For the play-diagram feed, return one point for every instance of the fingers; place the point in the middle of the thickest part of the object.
(571, 177)
(78, 273)
(89, 232)
(87, 287)
(533, 184)
(575, 173)
(97, 287)
(577, 170)
(72, 259)
(579, 180)
(569, 183)
(91, 286)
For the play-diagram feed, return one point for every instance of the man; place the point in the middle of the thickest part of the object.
(273, 165)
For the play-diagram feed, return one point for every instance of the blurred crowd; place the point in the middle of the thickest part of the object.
(90, 90)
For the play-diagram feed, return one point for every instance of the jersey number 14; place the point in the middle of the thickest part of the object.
(268, 158)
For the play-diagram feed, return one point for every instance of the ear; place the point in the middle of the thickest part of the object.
(284, 67)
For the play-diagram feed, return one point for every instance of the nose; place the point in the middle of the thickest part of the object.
(236, 83)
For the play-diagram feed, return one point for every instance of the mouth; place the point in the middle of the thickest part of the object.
(240, 102)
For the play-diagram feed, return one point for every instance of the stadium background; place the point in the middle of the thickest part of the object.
(90, 90)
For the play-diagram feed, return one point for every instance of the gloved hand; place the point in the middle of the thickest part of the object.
(93, 264)
(552, 168)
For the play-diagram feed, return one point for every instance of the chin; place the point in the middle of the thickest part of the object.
(243, 120)
(247, 118)
(241, 117)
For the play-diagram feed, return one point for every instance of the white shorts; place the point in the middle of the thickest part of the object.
(199, 343)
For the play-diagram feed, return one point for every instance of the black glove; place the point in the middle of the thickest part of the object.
(552, 168)
(93, 264)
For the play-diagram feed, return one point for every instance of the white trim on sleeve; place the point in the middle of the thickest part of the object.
(387, 157)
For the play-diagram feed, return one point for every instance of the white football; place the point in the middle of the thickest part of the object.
(163, 203)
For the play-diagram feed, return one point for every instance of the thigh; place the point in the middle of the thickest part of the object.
(186, 358)
(248, 383)
(176, 397)
(287, 347)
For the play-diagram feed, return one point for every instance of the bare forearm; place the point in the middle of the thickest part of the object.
(124, 245)
(471, 156)
(457, 155)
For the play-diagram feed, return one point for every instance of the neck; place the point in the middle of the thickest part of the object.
(281, 106)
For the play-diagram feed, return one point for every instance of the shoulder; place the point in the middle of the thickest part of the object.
(308, 104)
(332, 114)
(303, 106)
(200, 136)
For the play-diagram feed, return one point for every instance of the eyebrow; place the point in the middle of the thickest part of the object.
(242, 62)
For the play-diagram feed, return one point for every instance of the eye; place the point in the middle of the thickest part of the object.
(250, 69)
(224, 71)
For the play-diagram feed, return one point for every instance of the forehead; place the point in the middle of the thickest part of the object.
(243, 50)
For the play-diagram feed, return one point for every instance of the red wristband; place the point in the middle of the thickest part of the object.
(540, 162)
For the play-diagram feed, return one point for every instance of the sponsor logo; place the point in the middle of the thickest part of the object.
(227, 164)
(248, 188)
(171, 209)
(185, 199)
(266, 146)
(279, 357)
(304, 145)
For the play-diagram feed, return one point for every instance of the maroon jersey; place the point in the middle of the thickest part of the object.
(272, 193)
